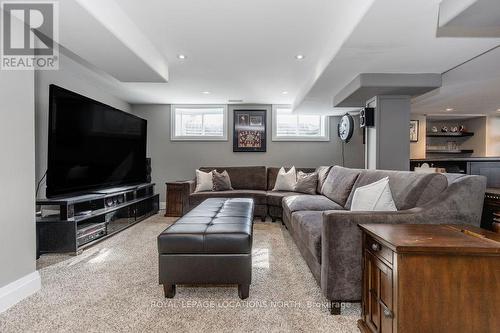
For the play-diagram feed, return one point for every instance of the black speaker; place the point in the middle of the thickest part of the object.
(367, 117)
(148, 170)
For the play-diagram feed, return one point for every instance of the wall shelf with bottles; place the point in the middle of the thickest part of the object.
(449, 134)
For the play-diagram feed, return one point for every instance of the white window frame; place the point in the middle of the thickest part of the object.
(325, 122)
(174, 137)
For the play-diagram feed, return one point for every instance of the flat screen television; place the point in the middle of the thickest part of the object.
(92, 145)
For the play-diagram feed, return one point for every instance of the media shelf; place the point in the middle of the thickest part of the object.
(72, 224)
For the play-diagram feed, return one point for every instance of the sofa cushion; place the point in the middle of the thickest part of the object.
(259, 197)
(307, 227)
(408, 188)
(272, 173)
(221, 181)
(244, 178)
(285, 181)
(374, 197)
(306, 182)
(274, 198)
(322, 172)
(339, 183)
(204, 181)
(309, 202)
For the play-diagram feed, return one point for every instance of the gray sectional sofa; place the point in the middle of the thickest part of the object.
(254, 182)
(324, 228)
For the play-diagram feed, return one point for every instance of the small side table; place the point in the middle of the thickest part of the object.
(429, 278)
(176, 195)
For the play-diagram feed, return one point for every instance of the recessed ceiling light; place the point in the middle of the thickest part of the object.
(181, 56)
(205, 92)
(449, 109)
(284, 92)
(299, 56)
(498, 110)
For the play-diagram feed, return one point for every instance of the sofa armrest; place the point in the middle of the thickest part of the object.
(190, 185)
(341, 250)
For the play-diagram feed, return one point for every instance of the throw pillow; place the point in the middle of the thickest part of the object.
(221, 181)
(339, 183)
(322, 172)
(285, 181)
(204, 181)
(306, 182)
(374, 197)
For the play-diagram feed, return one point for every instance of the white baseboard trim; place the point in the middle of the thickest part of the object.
(163, 205)
(19, 290)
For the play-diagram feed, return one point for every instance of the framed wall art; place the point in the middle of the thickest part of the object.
(249, 131)
(414, 130)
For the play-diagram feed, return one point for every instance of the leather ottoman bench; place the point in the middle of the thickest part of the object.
(212, 244)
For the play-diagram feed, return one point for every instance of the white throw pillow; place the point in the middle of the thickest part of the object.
(374, 197)
(204, 181)
(285, 181)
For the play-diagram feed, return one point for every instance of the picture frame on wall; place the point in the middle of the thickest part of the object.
(249, 131)
(414, 125)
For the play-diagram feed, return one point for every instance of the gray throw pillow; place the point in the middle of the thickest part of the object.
(322, 172)
(339, 183)
(306, 182)
(221, 181)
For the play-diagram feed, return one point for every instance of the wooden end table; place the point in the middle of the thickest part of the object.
(430, 278)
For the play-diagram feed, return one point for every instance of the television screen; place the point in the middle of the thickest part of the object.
(92, 145)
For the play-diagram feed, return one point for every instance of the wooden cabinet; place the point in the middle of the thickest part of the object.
(491, 210)
(176, 194)
(378, 291)
(430, 278)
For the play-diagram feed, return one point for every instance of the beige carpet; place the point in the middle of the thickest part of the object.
(113, 287)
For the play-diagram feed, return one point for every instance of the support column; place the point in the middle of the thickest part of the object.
(387, 143)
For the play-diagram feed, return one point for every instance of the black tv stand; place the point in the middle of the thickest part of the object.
(71, 224)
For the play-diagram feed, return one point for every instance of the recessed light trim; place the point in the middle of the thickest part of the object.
(498, 110)
(181, 56)
(205, 92)
(449, 109)
(299, 57)
(284, 92)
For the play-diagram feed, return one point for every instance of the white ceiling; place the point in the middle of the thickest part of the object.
(245, 49)
(472, 88)
(240, 49)
(393, 37)
(100, 33)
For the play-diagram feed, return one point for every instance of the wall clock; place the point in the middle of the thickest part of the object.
(346, 128)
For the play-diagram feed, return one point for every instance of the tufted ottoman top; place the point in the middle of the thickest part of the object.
(217, 225)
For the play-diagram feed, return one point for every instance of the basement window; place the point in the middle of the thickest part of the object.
(289, 126)
(198, 123)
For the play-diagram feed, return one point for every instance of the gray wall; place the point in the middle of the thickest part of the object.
(388, 142)
(178, 160)
(78, 78)
(17, 176)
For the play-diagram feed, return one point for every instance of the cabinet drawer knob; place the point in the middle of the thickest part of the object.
(375, 247)
(387, 313)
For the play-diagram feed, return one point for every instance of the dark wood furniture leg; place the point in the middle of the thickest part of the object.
(169, 290)
(334, 307)
(243, 290)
